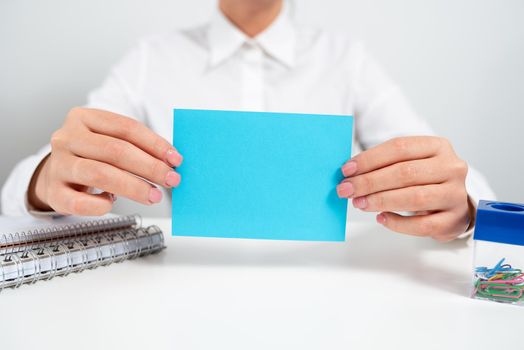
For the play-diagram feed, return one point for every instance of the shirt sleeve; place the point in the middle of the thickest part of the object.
(382, 112)
(120, 93)
(122, 90)
(14, 192)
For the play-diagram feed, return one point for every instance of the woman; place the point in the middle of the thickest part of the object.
(250, 56)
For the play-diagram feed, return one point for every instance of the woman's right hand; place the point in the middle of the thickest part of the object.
(96, 149)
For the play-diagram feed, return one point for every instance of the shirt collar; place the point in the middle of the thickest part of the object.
(278, 40)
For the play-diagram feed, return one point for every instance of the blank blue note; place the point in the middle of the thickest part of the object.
(260, 175)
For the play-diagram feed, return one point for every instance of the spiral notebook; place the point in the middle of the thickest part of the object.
(32, 250)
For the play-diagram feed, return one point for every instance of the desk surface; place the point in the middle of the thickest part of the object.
(378, 289)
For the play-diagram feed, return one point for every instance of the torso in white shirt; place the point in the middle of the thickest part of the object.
(287, 68)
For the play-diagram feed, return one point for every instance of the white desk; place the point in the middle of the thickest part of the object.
(378, 290)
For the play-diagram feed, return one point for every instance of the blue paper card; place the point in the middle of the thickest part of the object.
(260, 175)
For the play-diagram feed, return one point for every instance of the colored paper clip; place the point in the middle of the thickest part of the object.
(501, 283)
(498, 268)
(499, 290)
(519, 279)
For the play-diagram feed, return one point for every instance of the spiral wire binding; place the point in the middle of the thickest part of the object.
(18, 241)
(36, 265)
(42, 254)
(3, 276)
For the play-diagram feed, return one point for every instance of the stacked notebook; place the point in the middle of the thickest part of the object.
(32, 250)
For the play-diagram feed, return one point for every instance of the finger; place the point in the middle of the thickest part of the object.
(108, 178)
(125, 156)
(68, 201)
(111, 196)
(414, 199)
(115, 125)
(393, 151)
(442, 226)
(399, 175)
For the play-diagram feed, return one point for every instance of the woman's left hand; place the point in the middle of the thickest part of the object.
(420, 174)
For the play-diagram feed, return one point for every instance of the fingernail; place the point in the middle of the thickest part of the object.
(174, 158)
(155, 195)
(381, 218)
(172, 179)
(345, 189)
(360, 202)
(349, 168)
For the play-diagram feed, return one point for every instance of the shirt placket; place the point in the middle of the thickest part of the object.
(252, 77)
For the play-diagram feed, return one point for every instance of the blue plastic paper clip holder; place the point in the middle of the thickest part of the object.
(498, 263)
(500, 222)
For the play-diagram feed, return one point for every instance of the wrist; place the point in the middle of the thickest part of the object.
(471, 214)
(36, 193)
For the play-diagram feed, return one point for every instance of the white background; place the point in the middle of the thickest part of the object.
(461, 63)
